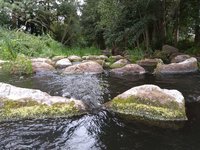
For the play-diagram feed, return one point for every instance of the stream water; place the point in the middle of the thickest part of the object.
(100, 129)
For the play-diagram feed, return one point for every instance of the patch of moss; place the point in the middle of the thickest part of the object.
(144, 108)
(14, 110)
(113, 66)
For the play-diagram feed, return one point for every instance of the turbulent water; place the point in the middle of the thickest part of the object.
(100, 129)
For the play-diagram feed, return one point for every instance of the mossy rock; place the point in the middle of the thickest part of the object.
(149, 106)
(29, 109)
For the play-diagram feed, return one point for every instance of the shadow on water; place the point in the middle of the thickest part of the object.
(101, 129)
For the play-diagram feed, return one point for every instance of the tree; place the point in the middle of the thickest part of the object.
(91, 29)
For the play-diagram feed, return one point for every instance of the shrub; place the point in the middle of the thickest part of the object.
(136, 54)
(20, 66)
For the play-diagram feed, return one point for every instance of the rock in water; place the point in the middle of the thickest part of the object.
(42, 66)
(89, 67)
(74, 58)
(180, 58)
(130, 69)
(187, 66)
(63, 63)
(149, 102)
(18, 103)
(120, 63)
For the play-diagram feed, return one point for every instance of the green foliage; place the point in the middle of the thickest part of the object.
(136, 54)
(20, 66)
(14, 42)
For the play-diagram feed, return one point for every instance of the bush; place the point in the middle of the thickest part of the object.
(15, 42)
(20, 66)
(136, 54)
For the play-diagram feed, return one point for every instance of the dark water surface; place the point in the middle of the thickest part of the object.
(100, 129)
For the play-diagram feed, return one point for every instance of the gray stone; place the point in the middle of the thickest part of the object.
(89, 67)
(180, 58)
(63, 63)
(130, 69)
(187, 66)
(150, 102)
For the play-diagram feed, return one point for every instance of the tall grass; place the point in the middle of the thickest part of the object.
(17, 42)
(135, 54)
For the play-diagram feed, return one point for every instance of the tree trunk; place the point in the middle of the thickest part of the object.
(197, 35)
(176, 26)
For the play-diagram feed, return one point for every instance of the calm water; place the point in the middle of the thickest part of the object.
(100, 129)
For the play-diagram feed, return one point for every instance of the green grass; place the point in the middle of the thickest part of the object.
(14, 42)
(135, 54)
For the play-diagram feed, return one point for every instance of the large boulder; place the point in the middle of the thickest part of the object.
(42, 66)
(169, 50)
(74, 58)
(63, 63)
(89, 67)
(17, 103)
(180, 58)
(120, 63)
(187, 66)
(149, 102)
(130, 69)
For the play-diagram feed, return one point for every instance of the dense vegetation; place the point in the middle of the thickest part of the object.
(114, 24)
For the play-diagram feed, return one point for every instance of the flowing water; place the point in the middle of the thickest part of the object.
(100, 129)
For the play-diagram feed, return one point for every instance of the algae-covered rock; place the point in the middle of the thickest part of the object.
(18, 103)
(89, 67)
(149, 102)
(120, 63)
(187, 66)
(130, 69)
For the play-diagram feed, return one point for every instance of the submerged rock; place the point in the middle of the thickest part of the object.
(149, 102)
(42, 66)
(89, 67)
(180, 58)
(130, 69)
(63, 63)
(120, 63)
(30, 103)
(74, 58)
(187, 66)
